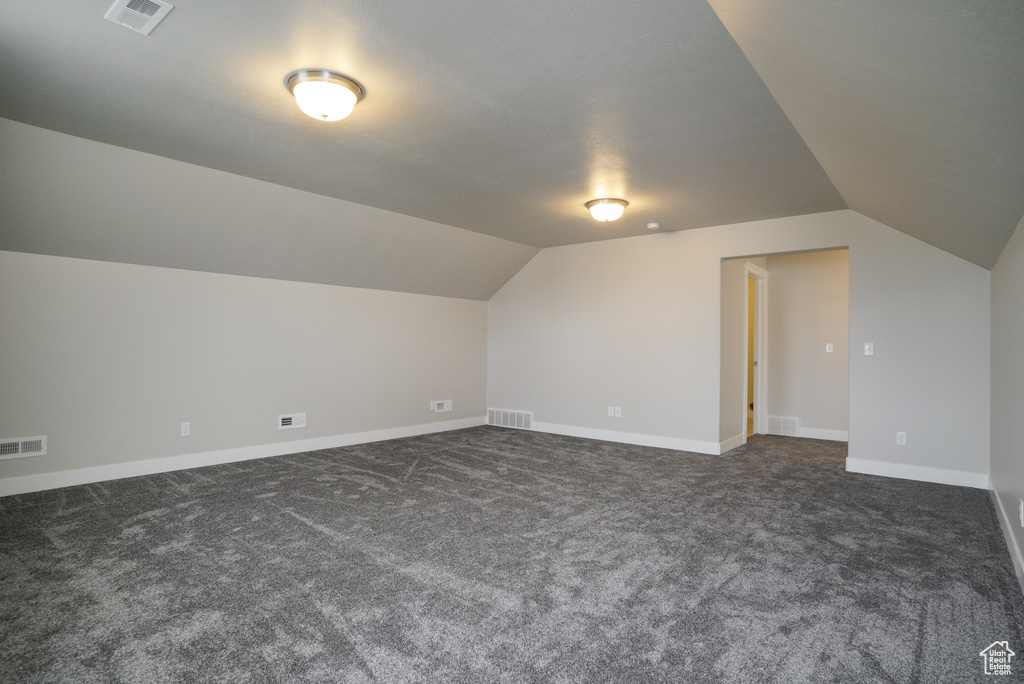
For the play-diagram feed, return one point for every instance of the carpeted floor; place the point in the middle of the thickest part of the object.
(492, 555)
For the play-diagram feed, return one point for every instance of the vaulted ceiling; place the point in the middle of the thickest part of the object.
(504, 118)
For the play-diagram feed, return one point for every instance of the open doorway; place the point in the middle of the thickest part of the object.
(785, 346)
(751, 358)
(755, 380)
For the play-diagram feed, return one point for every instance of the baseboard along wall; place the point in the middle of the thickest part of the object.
(1006, 522)
(831, 435)
(117, 471)
(918, 473)
(732, 443)
(712, 448)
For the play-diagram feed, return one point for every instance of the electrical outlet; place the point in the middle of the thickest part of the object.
(901, 439)
(618, 411)
(611, 411)
(186, 429)
(614, 411)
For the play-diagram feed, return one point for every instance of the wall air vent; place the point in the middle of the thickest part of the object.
(140, 16)
(789, 427)
(287, 421)
(22, 447)
(511, 419)
(441, 405)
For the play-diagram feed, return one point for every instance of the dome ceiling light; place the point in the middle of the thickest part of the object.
(324, 95)
(606, 208)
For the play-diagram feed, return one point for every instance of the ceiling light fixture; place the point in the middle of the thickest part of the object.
(607, 208)
(324, 95)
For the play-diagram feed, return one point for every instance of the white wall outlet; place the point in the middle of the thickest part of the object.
(869, 349)
(287, 421)
(186, 429)
(618, 411)
(828, 347)
(441, 405)
(611, 411)
(901, 439)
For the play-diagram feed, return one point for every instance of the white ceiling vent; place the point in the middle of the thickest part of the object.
(140, 16)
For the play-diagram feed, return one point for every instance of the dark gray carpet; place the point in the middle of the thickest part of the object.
(501, 555)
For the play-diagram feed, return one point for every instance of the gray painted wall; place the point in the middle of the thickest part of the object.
(108, 359)
(636, 323)
(68, 196)
(809, 306)
(732, 416)
(1008, 387)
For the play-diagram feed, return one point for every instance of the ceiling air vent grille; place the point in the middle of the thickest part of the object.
(144, 7)
(140, 16)
(511, 419)
(22, 447)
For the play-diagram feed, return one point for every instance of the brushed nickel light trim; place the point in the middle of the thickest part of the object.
(606, 208)
(320, 110)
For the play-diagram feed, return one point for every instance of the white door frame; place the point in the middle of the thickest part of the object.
(760, 397)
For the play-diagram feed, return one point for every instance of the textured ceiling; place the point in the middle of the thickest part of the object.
(505, 118)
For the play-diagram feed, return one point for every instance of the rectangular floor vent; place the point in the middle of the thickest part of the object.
(512, 419)
(22, 447)
(789, 427)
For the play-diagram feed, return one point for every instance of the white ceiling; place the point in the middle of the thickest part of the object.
(505, 118)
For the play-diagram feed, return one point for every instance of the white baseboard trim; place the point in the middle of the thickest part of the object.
(1006, 522)
(833, 435)
(117, 471)
(918, 473)
(732, 443)
(630, 438)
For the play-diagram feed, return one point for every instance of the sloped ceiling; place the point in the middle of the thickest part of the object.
(915, 109)
(503, 119)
